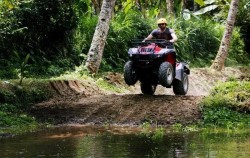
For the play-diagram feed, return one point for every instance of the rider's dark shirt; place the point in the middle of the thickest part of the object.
(163, 35)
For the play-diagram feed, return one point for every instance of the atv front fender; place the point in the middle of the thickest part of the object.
(180, 70)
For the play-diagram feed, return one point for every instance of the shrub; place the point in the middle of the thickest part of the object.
(15, 101)
(41, 28)
(224, 117)
(10, 120)
(123, 28)
(233, 94)
(237, 54)
(199, 41)
(83, 34)
(227, 105)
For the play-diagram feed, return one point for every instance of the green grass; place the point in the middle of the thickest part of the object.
(227, 105)
(16, 100)
(8, 119)
(108, 86)
(13, 121)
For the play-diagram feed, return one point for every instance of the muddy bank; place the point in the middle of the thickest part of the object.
(121, 109)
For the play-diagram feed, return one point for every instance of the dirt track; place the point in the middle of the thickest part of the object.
(122, 109)
(81, 103)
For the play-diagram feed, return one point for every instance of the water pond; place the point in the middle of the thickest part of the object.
(116, 142)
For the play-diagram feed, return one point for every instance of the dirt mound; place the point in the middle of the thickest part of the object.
(83, 102)
(122, 109)
(71, 88)
(202, 80)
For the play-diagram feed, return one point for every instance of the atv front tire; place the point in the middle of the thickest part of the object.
(179, 87)
(130, 75)
(147, 88)
(166, 74)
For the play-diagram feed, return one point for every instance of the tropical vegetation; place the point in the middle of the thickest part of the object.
(16, 101)
(46, 38)
(228, 105)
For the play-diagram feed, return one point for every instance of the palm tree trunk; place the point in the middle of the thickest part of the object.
(221, 56)
(170, 7)
(98, 42)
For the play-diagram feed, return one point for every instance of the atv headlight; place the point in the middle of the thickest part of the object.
(132, 51)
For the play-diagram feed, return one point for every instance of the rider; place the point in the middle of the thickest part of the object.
(163, 32)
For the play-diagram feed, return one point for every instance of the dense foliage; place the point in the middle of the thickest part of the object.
(44, 38)
(244, 22)
(40, 28)
(228, 105)
(49, 37)
(15, 101)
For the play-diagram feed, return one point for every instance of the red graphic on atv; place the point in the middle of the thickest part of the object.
(150, 49)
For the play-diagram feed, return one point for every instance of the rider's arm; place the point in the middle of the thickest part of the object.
(148, 38)
(151, 35)
(174, 37)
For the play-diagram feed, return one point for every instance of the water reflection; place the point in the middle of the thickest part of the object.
(81, 142)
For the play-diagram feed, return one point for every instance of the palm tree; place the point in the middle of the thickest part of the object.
(221, 56)
(170, 7)
(101, 31)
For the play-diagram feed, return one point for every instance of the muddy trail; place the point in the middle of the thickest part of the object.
(79, 102)
(122, 109)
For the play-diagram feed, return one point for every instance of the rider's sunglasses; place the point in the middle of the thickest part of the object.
(161, 24)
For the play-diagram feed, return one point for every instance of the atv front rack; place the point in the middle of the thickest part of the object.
(159, 42)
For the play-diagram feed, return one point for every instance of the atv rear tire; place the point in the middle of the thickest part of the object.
(147, 88)
(166, 74)
(179, 87)
(130, 75)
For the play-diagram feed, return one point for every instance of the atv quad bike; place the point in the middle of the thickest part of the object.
(154, 62)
